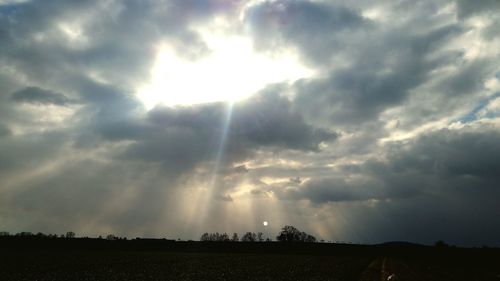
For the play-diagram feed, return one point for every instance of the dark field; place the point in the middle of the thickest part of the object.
(177, 266)
(106, 260)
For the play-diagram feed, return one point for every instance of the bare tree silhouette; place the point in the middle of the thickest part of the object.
(249, 237)
(235, 237)
(291, 234)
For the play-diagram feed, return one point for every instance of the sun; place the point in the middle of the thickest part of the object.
(230, 72)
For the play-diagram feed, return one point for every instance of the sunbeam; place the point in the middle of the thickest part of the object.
(222, 143)
(205, 203)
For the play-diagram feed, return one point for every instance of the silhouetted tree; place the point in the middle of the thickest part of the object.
(70, 234)
(205, 237)
(235, 237)
(291, 234)
(304, 237)
(249, 237)
(220, 237)
(212, 236)
(288, 234)
(24, 233)
(4, 233)
(310, 238)
(441, 244)
(224, 237)
(259, 237)
(111, 237)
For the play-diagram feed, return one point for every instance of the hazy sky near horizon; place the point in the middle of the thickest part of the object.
(363, 121)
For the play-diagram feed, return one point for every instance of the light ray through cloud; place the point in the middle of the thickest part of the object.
(205, 203)
(219, 158)
(172, 118)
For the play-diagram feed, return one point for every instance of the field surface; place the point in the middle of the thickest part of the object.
(157, 260)
(177, 266)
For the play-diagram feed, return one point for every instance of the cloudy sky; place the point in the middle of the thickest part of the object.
(363, 121)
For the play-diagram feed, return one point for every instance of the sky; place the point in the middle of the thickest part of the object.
(362, 121)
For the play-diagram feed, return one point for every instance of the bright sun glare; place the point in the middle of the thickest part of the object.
(230, 72)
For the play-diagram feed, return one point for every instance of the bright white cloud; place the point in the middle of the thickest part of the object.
(231, 71)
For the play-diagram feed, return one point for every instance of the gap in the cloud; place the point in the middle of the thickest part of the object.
(231, 71)
(480, 111)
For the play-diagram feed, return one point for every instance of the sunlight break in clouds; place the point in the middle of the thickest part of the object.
(231, 71)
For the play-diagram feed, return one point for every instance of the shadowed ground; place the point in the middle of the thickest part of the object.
(143, 259)
(176, 266)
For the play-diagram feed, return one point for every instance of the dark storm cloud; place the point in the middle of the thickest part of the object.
(364, 89)
(353, 187)
(333, 190)
(441, 184)
(37, 95)
(470, 8)
(452, 154)
(268, 119)
(47, 57)
(371, 65)
(437, 163)
(315, 27)
(181, 137)
(469, 80)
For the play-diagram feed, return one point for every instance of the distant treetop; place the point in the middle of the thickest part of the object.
(291, 234)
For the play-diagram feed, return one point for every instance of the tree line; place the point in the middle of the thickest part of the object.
(287, 234)
(69, 234)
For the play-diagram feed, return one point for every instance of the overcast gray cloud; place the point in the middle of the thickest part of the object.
(391, 135)
(37, 95)
(318, 29)
(466, 8)
(4, 131)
